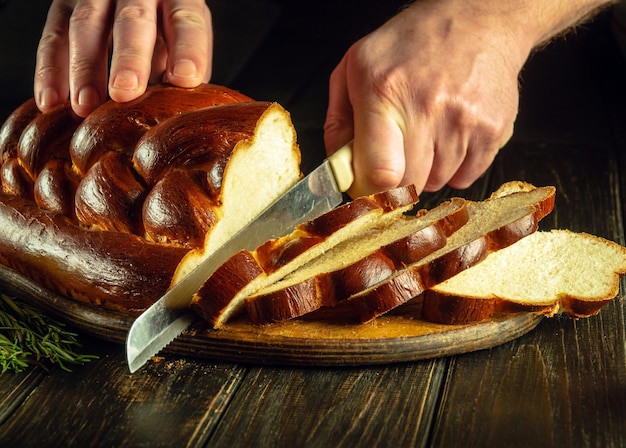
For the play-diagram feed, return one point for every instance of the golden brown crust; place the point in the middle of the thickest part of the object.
(15, 180)
(396, 197)
(12, 128)
(183, 140)
(336, 286)
(217, 292)
(419, 244)
(452, 309)
(46, 137)
(98, 267)
(109, 196)
(278, 252)
(388, 295)
(55, 188)
(180, 209)
(330, 222)
(119, 126)
(576, 308)
(73, 191)
(301, 299)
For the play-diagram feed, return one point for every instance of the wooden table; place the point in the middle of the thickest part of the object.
(562, 384)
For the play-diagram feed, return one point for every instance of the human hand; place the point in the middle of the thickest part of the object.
(429, 98)
(151, 40)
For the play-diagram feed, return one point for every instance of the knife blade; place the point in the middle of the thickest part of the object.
(315, 194)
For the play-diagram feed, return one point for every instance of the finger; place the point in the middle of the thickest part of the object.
(474, 166)
(134, 38)
(419, 153)
(379, 157)
(188, 32)
(51, 82)
(338, 127)
(88, 53)
(480, 156)
(451, 141)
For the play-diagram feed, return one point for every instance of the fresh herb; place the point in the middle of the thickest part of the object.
(28, 337)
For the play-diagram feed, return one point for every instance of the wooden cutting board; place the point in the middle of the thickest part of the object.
(326, 340)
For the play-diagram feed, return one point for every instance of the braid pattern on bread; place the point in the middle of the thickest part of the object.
(104, 209)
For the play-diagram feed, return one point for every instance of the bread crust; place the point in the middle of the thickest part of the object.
(418, 277)
(12, 128)
(215, 304)
(116, 270)
(182, 140)
(46, 137)
(73, 201)
(119, 126)
(336, 286)
(463, 307)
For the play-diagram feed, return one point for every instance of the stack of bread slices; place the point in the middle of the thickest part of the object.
(470, 259)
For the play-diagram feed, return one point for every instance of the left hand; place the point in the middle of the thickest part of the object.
(152, 41)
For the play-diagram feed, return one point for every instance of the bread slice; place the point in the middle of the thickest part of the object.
(356, 263)
(510, 214)
(546, 272)
(223, 294)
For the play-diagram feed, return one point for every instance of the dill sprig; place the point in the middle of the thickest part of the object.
(27, 337)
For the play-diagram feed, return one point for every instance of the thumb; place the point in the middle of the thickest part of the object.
(379, 159)
(378, 150)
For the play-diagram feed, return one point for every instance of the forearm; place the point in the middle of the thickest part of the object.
(552, 18)
(538, 21)
(531, 23)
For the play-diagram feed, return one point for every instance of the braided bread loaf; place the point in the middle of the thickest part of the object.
(114, 208)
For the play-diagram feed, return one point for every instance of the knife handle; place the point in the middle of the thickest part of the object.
(341, 164)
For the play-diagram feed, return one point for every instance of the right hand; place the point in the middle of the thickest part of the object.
(151, 40)
(429, 98)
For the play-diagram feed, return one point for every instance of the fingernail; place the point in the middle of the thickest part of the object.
(48, 97)
(88, 97)
(185, 69)
(126, 80)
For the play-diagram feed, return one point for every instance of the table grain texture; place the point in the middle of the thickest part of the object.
(563, 384)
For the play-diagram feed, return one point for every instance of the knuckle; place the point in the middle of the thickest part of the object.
(187, 18)
(51, 38)
(336, 124)
(134, 13)
(47, 71)
(85, 14)
(388, 85)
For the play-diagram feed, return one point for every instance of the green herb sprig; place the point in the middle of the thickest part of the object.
(27, 337)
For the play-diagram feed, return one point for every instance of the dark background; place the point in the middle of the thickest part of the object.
(284, 51)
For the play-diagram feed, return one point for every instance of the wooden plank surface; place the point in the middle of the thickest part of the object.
(562, 384)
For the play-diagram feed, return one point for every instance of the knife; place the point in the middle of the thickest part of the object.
(315, 194)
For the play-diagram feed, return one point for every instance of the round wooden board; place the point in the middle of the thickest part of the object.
(399, 336)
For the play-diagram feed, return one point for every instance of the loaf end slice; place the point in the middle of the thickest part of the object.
(547, 272)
